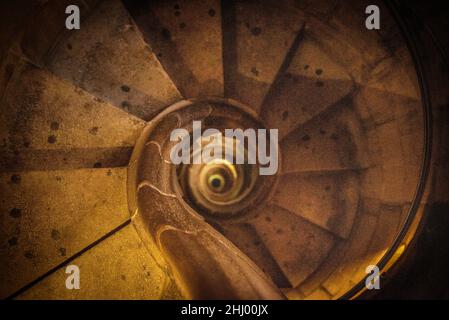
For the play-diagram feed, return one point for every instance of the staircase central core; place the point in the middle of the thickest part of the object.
(223, 187)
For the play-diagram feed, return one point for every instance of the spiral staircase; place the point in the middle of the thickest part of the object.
(85, 126)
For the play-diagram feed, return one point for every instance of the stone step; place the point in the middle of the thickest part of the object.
(47, 216)
(394, 132)
(257, 39)
(44, 116)
(47, 25)
(322, 9)
(313, 283)
(312, 83)
(319, 294)
(109, 58)
(380, 222)
(390, 218)
(329, 200)
(117, 268)
(298, 246)
(342, 33)
(332, 141)
(391, 184)
(186, 38)
(354, 260)
(245, 237)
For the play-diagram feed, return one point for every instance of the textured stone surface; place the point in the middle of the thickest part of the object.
(351, 268)
(246, 238)
(109, 58)
(260, 39)
(298, 246)
(46, 25)
(45, 117)
(117, 268)
(186, 38)
(311, 83)
(332, 142)
(327, 200)
(345, 99)
(47, 216)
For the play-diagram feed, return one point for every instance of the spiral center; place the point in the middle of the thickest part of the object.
(218, 175)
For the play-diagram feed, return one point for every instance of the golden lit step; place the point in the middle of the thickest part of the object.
(117, 268)
(47, 216)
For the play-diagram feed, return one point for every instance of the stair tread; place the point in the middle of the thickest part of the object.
(45, 27)
(356, 49)
(186, 37)
(329, 200)
(390, 218)
(391, 183)
(319, 294)
(65, 159)
(42, 226)
(263, 34)
(109, 58)
(312, 83)
(354, 260)
(393, 118)
(245, 237)
(129, 268)
(45, 113)
(380, 223)
(332, 142)
(298, 246)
